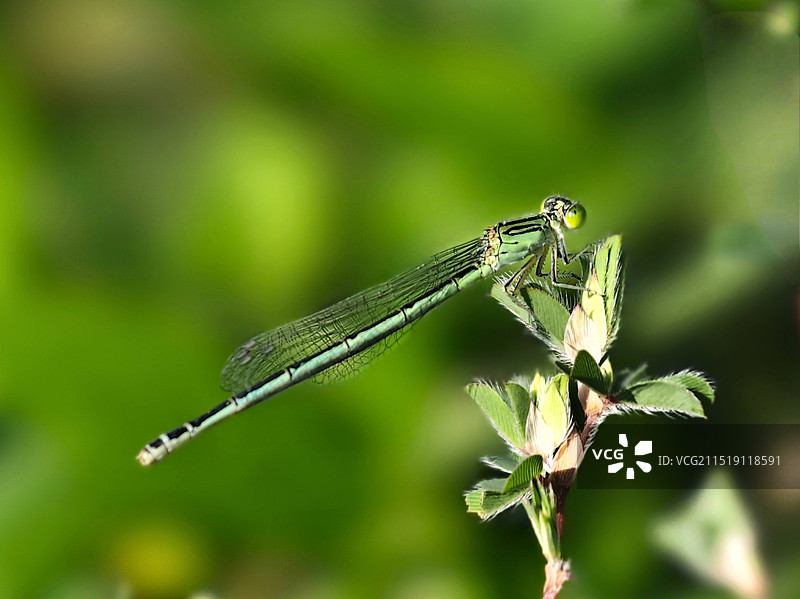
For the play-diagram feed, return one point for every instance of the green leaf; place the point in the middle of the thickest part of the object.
(595, 309)
(519, 400)
(498, 412)
(549, 312)
(524, 313)
(564, 367)
(515, 305)
(606, 263)
(474, 500)
(528, 469)
(609, 276)
(588, 372)
(495, 485)
(662, 395)
(493, 503)
(694, 382)
(542, 515)
(487, 504)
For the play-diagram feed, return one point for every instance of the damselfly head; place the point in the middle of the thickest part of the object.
(570, 214)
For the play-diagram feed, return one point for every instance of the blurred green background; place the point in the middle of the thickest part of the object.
(175, 177)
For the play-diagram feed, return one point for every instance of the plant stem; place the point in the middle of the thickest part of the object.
(561, 498)
(556, 573)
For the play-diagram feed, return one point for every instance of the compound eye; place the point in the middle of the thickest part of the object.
(575, 216)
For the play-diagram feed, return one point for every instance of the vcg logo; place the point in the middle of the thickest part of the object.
(617, 456)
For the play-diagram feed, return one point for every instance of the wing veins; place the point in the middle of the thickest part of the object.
(274, 350)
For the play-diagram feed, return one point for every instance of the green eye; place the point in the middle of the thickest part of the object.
(575, 216)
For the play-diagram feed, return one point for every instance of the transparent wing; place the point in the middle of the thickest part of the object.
(274, 350)
(358, 362)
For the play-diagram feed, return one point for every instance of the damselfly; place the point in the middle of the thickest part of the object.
(343, 338)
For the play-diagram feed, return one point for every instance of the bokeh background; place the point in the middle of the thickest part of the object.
(175, 177)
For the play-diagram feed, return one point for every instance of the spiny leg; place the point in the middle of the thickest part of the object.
(516, 281)
(559, 250)
(518, 278)
(555, 252)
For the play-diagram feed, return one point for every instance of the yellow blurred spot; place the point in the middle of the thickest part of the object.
(91, 45)
(783, 18)
(161, 559)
